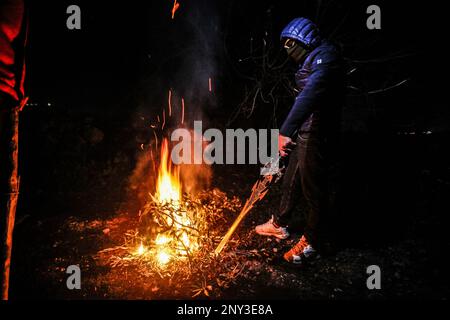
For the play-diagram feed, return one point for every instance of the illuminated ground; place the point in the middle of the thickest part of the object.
(45, 247)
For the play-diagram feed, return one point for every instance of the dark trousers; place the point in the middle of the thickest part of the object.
(307, 175)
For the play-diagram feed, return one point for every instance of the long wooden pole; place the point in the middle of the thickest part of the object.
(9, 190)
(230, 231)
(259, 191)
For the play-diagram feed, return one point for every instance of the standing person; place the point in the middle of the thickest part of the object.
(309, 131)
(13, 31)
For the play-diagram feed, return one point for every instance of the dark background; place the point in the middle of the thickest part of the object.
(113, 61)
(94, 92)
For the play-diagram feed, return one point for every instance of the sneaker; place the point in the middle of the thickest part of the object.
(300, 252)
(271, 229)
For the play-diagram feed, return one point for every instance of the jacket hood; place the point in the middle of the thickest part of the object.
(304, 31)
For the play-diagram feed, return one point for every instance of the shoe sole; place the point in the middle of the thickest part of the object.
(272, 235)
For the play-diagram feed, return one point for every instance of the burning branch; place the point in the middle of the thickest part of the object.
(176, 234)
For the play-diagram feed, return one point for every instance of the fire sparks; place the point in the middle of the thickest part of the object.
(164, 120)
(170, 103)
(210, 84)
(176, 6)
(182, 110)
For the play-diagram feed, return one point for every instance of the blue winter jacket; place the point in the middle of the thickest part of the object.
(320, 81)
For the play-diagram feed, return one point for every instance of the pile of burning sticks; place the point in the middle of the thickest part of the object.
(177, 234)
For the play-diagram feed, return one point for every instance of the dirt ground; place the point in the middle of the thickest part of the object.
(412, 264)
(74, 203)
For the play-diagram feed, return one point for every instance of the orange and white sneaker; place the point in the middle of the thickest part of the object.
(270, 229)
(300, 252)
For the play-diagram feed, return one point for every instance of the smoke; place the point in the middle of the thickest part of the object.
(183, 60)
(199, 59)
(196, 78)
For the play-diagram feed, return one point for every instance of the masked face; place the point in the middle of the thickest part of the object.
(295, 51)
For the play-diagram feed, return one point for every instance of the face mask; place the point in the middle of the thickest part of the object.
(295, 51)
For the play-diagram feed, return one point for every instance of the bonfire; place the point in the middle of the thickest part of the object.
(176, 233)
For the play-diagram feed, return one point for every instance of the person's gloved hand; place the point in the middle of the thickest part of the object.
(285, 145)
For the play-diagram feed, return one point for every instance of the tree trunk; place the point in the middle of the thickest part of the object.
(9, 190)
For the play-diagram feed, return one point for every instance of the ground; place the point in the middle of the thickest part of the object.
(45, 247)
(75, 203)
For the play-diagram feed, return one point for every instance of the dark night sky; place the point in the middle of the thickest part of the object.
(130, 54)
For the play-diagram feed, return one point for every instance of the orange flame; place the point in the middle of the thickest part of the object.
(168, 185)
(177, 243)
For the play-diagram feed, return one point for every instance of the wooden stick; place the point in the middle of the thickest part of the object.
(259, 191)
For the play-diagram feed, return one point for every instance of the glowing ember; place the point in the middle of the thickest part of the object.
(163, 257)
(162, 240)
(141, 250)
